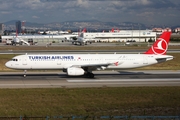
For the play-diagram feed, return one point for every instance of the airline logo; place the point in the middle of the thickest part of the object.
(116, 63)
(160, 47)
(50, 57)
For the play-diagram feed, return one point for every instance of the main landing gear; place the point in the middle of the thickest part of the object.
(89, 75)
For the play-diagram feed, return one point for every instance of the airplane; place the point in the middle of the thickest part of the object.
(84, 64)
(68, 37)
(18, 41)
(80, 39)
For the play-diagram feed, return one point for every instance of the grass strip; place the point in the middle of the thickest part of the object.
(90, 101)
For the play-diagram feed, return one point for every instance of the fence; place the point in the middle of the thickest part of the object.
(94, 118)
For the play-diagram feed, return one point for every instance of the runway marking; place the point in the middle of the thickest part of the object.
(127, 80)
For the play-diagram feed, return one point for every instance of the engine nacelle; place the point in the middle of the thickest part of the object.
(74, 71)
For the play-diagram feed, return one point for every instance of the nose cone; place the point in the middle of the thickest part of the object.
(8, 64)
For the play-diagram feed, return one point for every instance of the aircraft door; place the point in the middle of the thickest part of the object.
(24, 60)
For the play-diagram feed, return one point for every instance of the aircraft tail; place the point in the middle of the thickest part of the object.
(160, 46)
(84, 30)
(112, 30)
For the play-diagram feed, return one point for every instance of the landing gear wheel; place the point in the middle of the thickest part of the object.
(90, 75)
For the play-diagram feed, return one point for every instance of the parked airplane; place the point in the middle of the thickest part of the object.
(68, 37)
(80, 39)
(18, 41)
(84, 64)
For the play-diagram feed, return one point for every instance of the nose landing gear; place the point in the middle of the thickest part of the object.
(25, 73)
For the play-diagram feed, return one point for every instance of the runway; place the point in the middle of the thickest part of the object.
(102, 79)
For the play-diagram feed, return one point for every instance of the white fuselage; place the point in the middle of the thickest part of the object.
(63, 61)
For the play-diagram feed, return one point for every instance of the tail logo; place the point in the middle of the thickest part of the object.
(160, 47)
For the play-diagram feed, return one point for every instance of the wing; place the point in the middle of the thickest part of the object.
(91, 67)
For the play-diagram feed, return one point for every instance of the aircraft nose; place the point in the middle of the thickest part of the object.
(8, 64)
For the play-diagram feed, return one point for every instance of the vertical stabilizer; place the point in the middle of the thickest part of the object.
(160, 46)
(84, 30)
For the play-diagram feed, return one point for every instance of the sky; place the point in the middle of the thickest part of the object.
(150, 12)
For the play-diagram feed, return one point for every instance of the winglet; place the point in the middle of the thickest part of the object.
(160, 46)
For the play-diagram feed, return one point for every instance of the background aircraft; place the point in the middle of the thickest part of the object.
(18, 41)
(80, 39)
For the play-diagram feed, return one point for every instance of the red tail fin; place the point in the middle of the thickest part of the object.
(161, 44)
(112, 30)
(84, 30)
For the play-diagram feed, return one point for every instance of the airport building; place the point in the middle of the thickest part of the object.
(38, 38)
(120, 36)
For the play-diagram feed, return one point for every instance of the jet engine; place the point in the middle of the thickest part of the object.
(74, 71)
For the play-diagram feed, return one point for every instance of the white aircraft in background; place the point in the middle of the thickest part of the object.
(84, 64)
(80, 39)
(68, 37)
(18, 41)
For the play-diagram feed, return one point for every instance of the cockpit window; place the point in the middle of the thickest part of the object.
(14, 59)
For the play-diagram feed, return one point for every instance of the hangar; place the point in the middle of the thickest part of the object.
(39, 38)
